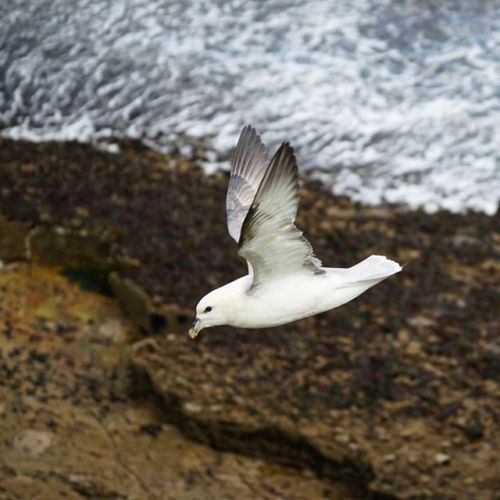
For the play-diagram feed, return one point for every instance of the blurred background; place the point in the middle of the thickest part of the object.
(117, 122)
(395, 100)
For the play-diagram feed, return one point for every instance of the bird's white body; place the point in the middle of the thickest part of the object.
(286, 281)
(296, 296)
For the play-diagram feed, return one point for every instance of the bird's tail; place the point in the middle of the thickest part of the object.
(374, 268)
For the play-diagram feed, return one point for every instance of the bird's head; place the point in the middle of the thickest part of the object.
(212, 310)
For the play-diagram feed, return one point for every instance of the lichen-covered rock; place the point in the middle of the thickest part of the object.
(287, 404)
(13, 240)
(134, 301)
(70, 249)
(377, 392)
(74, 424)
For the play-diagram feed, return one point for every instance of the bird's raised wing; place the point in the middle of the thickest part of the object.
(269, 239)
(248, 166)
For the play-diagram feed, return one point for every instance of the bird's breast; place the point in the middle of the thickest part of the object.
(281, 302)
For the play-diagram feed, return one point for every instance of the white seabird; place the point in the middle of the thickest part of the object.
(285, 281)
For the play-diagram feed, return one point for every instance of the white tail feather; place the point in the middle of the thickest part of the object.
(373, 268)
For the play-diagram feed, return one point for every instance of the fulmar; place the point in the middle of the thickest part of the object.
(285, 281)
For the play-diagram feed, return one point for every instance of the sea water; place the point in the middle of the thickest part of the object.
(384, 100)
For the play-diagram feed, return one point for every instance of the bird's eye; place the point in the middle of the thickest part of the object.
(207, 309)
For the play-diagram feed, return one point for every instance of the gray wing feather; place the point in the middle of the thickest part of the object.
(270, 241)
(248, 166)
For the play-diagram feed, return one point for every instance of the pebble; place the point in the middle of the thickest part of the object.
(192, 407)
(33, 442)
(404, 335)
(441, 458)
(342, 438)
(414, 348)
(113, 330)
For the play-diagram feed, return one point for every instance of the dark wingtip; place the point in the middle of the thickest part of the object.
(249, 129)
(286, 149)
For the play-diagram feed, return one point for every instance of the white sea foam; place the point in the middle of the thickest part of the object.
(386, 100)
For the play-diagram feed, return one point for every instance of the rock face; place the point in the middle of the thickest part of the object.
(395, 394)
(74, 423)
(293, 405)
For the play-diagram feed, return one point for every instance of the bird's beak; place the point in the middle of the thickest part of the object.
(195, 329)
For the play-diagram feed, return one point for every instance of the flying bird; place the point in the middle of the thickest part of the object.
(285, 280)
